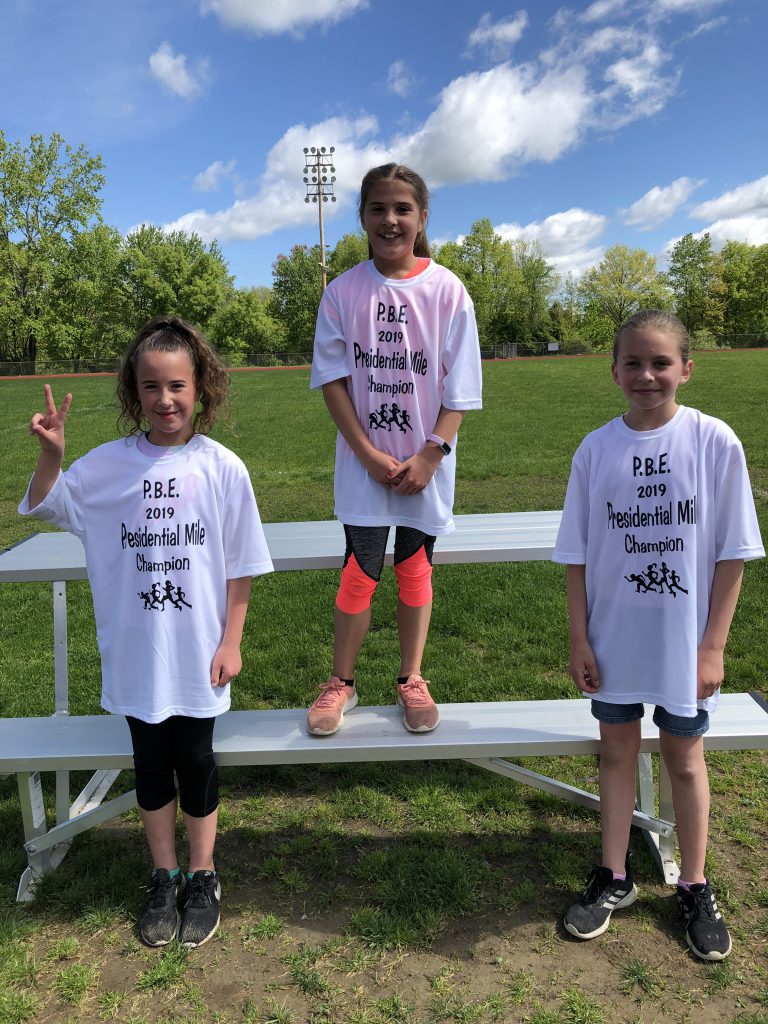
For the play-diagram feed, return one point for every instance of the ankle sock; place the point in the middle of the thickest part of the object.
(348, 682)
(402, 680)
(687, 885)
(175, 872)
(619, 878)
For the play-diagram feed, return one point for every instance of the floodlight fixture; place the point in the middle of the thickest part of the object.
(319, 179)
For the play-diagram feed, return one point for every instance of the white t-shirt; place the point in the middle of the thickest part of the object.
(407, 347)
(649, 513)
(163, 531)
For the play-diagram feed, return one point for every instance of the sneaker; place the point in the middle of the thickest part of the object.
(705, 930)
(420, 712)
(590, 915)
(201, 916)
(159, 921)
(325, 715)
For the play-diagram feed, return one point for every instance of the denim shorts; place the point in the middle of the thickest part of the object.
(675, 725)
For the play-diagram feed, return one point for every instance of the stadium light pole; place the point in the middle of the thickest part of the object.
(319, 176)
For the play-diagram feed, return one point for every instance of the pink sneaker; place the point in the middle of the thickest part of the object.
(325, 715)
(420, 712)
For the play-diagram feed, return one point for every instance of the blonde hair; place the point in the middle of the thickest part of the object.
(659, 320)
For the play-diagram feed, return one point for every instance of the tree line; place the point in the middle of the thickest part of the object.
(73, 288)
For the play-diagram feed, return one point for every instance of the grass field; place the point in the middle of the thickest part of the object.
(368, 894)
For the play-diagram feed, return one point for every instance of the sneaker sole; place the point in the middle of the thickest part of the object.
(628, 900)
(351, 703)
(420, 728)
(712, 957)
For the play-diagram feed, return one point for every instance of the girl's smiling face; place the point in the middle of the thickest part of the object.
(168, 393)
(649, 368)
(392, 220)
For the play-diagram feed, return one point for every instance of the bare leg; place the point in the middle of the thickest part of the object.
(684, 758)
(349, 633)
(160, 829)
(619, 747)
(412, 626)
(201, 833)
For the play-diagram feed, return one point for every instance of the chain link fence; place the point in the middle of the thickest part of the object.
(510, 350)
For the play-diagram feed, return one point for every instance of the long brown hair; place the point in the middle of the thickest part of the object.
(172, 334)
(398, 172)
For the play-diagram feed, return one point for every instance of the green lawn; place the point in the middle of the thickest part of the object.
(504, 625)
(368, 894)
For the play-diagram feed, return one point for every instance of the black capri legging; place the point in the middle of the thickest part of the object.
(179, 745)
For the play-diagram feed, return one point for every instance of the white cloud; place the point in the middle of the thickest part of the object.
(400, 81)
(639, 83)
(659, 203)
(665, 8)
(171, 70)
(750, 198)
(751, 228)
(707, 26)
(267, 18)
(601, 9)
(279, 201)
(211, 178)
(498, 37)
(484, 126)
(487, 122)
(567, 238)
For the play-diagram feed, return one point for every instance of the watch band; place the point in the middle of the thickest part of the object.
(444, 447)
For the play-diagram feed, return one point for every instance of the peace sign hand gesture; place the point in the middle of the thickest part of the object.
(48, 427)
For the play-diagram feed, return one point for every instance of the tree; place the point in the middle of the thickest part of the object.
(172, 272)
(296, 292)
(85, 309)
(243, 324)
(50, 193)
(694, 274)
(745, 280)
(350, 250)
(486, 264)
(624, 281)
(539, 281)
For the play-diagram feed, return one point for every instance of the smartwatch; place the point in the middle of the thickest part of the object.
(444, 447)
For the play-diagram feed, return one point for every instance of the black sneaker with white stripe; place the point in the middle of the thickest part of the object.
(590, 915)
(705, 930)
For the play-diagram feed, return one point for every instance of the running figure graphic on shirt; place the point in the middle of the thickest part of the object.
(654, 582)
(155, 599)
(388, 417)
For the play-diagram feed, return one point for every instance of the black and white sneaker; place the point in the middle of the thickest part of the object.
(590, 915)
(705, 930)
(159, 921)
(200, 918)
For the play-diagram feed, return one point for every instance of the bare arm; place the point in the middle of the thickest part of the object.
(415, 473)
(377, 464)
(227, 661)
(726, 584)
(582, 666)
(48, 428)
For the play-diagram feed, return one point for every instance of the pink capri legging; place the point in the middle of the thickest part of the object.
(364, 560)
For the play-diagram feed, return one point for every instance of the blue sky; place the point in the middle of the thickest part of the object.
(580, 126)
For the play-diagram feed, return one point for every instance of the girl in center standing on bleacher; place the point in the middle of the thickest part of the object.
(172, 537)
(396, 353)
(657, 523)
